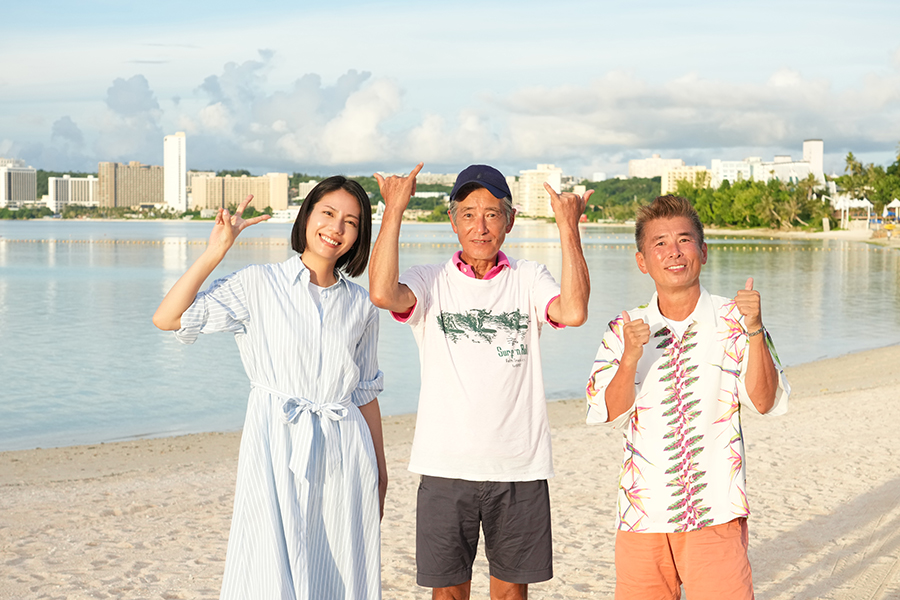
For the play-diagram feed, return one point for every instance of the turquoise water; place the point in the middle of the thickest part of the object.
(81, 362)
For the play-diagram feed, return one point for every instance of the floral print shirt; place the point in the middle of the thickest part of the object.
(684, 465)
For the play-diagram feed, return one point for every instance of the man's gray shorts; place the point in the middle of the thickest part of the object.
(515, 517)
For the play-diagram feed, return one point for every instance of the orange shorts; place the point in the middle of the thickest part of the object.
(711, 563)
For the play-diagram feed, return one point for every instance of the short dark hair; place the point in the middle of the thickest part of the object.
(354, 261)
(666, 207)
(465, 190)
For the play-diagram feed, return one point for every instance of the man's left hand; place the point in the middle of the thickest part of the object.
(567, 207)
(748, 304)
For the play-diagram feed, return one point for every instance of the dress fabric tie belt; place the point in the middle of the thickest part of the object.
(297, 409)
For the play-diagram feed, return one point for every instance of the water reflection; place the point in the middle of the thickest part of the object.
(76, 310)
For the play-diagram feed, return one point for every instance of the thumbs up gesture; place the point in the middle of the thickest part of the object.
(635, 334)
(748, 304)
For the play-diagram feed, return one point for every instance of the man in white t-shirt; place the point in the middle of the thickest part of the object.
(674, 376)
(482, 441)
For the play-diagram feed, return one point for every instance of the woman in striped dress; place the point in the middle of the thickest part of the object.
(311, 473)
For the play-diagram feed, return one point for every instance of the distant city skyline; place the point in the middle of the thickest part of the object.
(349, 86)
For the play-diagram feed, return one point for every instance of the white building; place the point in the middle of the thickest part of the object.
(529, 195)
(781, 167)
(652, 167)
(814, 154)
(304, 188)
(432, 195)
(785, 168)
(669, 179)
(66, 190)
(447, 179)
(18, 183)
(730, 170)
(174, 171)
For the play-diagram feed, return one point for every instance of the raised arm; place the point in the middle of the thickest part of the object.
(385, 288)
(620, 392)
(571, 308)
(182, 294)
(761, 378)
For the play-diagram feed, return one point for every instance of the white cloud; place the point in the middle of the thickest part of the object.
(355, 135)
(238, 118)
(216, 119)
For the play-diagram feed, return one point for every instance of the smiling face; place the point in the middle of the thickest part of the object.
(672, 254)
(332, 228)
(481, 226)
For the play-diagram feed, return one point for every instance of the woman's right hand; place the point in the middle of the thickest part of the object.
(228, 227)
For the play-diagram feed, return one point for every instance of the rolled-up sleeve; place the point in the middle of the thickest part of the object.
(606, 364)
(371, 379)
(221, 307)
(546, 290)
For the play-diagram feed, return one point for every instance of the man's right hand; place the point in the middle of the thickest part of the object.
(397, 190)
(635, 335)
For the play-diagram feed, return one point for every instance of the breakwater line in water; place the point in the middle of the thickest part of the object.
(720, 245)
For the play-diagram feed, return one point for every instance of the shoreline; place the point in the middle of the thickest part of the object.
(850, 235)
(403, 424)
(848, 372)
(151, 517)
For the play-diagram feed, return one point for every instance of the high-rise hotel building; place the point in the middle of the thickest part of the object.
(18, 183)
(174, 164)
(133, 184)
(529, 195)
(66, 190)
(221, 192)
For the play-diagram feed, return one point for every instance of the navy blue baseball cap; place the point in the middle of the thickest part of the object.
(486, 176)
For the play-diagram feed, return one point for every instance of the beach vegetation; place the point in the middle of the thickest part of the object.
(619, 199)
(233, 173)
(30, 212)
(774, 204)
(880, 185)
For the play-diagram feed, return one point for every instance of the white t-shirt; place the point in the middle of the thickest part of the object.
(482, 414)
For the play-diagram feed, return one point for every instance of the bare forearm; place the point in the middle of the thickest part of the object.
(761, 379)
(182, 294)
(371, 412)
(385, 289)
(575, 280)
(620, 391)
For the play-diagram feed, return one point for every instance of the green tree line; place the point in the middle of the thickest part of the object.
(747, 204)
(619, 199)
(25, 213)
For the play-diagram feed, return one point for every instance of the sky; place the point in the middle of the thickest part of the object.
(353, 87)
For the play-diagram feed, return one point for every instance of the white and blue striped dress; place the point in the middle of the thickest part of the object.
(306, 514)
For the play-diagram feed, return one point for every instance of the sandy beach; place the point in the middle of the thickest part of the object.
(150, 518)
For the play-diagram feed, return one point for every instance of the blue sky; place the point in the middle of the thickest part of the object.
(353, 87)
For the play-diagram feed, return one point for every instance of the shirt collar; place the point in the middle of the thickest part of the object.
(294, 265)
(704, 312)
(502, 261)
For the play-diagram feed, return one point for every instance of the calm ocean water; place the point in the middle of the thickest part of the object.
(81, 362)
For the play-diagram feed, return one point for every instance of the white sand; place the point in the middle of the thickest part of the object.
(149, 519)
